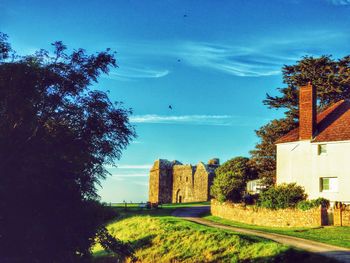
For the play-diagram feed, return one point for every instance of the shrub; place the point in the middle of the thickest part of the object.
(309, 204)
(227, 187)
(282, 196)
(250, 199)
(230, 180)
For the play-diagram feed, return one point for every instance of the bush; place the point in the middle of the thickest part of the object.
(230, 180)
(282, 196)
(250, 199)
(309, 204)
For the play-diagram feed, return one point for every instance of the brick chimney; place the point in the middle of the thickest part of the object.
(307, 112)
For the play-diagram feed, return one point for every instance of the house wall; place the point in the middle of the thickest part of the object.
(300, 162)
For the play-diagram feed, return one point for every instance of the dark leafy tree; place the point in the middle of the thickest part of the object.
(332, 80)
(5, 48)
(264, 154)
(56, 135)
(330, 77)
(230, 179)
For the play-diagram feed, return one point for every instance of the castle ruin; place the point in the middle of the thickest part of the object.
(174, 182)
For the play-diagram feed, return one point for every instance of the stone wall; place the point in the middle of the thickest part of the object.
(267, 217)
(341, 216)
(173, 182)
(201, 183)
(160, 182)
(183, 182)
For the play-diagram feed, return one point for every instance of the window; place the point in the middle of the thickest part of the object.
(186, 179)
(322, 149)
(329, 184)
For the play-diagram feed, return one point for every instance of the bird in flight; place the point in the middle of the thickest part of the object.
(185, 15)
(170, 107)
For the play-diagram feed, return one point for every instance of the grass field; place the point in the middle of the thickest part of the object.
(158, 237)
(339, 236)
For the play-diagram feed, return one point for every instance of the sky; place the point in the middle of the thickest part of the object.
(212, 61)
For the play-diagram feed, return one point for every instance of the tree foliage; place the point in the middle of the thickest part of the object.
(264, 154)
(332, 81)
(56, 135)
(330, 77)
(230, 180)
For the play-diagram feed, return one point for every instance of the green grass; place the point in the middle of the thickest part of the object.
(338, 236)
(177, 205)
(160, 238)
(163, 210)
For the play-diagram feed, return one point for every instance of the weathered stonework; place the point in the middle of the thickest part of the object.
(267, 217)
(341, 216)
(173, 182)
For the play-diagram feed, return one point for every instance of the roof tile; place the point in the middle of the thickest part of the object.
(333, 124)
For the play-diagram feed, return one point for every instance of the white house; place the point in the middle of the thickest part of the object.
(316, 155)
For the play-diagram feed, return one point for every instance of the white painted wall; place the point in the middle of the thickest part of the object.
(300, 162)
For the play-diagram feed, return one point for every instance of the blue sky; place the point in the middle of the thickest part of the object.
(213, 61)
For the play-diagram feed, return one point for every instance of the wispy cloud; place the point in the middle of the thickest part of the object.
(339, 2)
(129, 166)
(137, 166)
(263, 58)
(182, 119)
(132, 73)
(256, 57)
(129, 176)
(136, 142)
(215, 120)
(238, 61)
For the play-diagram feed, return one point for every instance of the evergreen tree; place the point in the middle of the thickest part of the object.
(332, 81)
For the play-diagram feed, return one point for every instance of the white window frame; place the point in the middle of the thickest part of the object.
(321, 147)
(333, 185)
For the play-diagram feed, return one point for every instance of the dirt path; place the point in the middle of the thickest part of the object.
(334, 252)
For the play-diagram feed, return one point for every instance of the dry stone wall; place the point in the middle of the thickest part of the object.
(267, 217)
(341, 216)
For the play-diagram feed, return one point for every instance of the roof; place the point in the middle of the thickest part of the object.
(333, 124)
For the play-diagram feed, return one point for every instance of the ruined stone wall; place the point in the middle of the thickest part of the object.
(201, 184)
(160, 182)
(153, 193)
(183, 182)
(173, 182)
(267, 217)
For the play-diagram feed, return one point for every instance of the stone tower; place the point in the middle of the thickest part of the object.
(161, 181)
(174, 182)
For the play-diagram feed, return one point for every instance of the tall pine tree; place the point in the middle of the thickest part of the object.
(331, 78)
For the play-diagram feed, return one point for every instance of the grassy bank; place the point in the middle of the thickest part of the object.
(339, 236)
(160, 238)
(163, 210)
